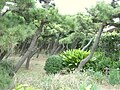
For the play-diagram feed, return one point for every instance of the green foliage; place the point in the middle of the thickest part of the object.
(8, 66)
(25, 4)
(5, 79)
(84, 23)
(73, 57)
(14, 35)
(2, 2)
(16, 19)
(114, 77)
(53, 64)
(68, 39)
(98, 76)
(110, 45)
(102, 12)
(85, 86)
(6, 69)
(24, 87)
(99, 62)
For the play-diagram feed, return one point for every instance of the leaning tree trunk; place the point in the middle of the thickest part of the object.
(54, 47)
(84, 61)
(31, 47)
(28, 60)
(30, 56)
(39, 49)
(24, 47)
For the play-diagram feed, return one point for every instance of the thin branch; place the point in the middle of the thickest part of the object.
(86, 46)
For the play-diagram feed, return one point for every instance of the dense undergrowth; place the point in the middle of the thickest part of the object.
(107, 56)
(6, 73)
(70, 60)
(62, 74)
(37, 79)
(88, 80)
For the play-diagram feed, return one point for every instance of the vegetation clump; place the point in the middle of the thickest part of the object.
(99, 62)
(72, 58)
(53, 64)
(110, 45)
(6, 70)
(114, 77)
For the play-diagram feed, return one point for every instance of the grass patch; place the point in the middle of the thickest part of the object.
(36, 77)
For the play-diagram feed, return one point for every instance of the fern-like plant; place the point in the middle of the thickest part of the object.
(72, 58)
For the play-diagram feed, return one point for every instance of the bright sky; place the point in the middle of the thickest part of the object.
(75, 6)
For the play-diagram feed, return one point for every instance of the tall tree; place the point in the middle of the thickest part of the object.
(31, 47)
(95, 44)
(101, 13)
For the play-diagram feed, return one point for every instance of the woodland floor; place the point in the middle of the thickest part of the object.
(37, 77)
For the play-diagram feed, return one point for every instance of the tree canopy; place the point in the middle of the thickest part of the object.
(22, 24)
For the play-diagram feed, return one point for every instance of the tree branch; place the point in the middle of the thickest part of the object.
(85, 47)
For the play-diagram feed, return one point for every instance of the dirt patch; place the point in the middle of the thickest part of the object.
(109, 87)
(40, 61)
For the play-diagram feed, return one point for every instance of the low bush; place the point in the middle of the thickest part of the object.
(109, 44)
(53, 64)
(8, 66)
(72, 58)
(114, 77)
(5, 79)
(98, 77)
(99, 62)
(6, 69)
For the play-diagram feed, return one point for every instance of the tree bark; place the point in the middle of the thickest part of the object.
(86, 46)
(54, 47)
(95, 44)
(31, 47)
(56, 51)
(83, 43)
(8, 54)
(47, 50)
(28, 60)
(30, 56)
(39, 49)
(63, 46)
(2, 54)
(74, 43)
(24, 47)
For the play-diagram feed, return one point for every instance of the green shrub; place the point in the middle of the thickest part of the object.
(73, 57)
(8, 66)
(114, 77)
(53, 64)
(98, 76)
(5, 79)
(6, 69)
(99, 62)
(110, 45)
